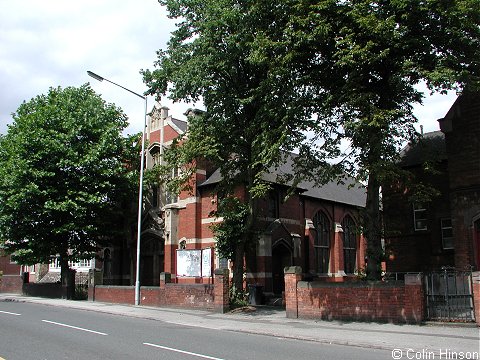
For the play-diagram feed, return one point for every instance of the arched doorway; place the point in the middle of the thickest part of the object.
(282, 256)
(152, 251)
(152, 261)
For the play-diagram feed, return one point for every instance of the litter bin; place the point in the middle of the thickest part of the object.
(255, 293)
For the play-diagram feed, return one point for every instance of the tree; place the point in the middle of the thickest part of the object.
(63, 176)
(362, 61)
(269, 72)
(212, 56)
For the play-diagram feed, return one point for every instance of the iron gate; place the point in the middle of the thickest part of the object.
(449, 295)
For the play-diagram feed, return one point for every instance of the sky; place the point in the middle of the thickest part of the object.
(53, 43)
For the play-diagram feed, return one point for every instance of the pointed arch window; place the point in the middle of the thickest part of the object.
(322, 242)
(273, 204)
(349, 244)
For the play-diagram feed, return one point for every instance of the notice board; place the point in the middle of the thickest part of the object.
(194, 263)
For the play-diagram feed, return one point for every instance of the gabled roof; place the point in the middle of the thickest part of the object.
(180, 124)
(430, 147)
(348, 191)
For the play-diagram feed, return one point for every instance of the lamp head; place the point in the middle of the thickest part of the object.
(95, 76)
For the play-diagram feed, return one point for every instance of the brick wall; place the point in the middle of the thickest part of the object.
(169, 133)
(173, 295)
(188, 296)
(421, 250)
(7, 266)
(463, 141)
(115, 294)
(396, 302)
(466, 208)
(199, 296)
(461, 126)
(11, 284)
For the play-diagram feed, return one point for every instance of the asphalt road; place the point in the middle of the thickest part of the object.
(35, 331)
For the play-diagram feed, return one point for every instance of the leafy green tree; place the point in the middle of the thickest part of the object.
(270, 72)
(212, 56)
(65, 173)
(362, 62)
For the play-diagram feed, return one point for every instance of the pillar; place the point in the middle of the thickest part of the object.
(221, 300)
(476, 295)
(165, 278)
(414, 298)
(293, 275)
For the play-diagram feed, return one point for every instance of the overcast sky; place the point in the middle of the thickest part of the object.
(53, 43)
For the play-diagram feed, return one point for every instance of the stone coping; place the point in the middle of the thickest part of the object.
(349, 284)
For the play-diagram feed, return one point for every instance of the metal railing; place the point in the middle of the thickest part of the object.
(449, 295)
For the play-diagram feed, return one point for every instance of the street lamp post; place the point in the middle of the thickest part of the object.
(140, 187)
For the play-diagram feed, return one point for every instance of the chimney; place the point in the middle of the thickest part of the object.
(421, 130)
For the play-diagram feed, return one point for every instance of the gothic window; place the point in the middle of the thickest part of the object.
(171, 197)
(349, 244)
(155, 196)
(273, 206)
(322, 242)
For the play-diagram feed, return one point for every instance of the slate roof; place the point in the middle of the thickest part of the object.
(182, 125)
(430, 147)
(342, 192)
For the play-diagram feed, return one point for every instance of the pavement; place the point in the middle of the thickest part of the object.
(427, 341)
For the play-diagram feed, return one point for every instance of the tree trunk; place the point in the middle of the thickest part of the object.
(64, 268)
(67, 278)
(373, 228)
(249, 232)
(238, 265)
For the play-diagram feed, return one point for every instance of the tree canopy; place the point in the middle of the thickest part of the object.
(63, 176)
(363, 61)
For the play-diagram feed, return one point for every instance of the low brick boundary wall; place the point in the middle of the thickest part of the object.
(174, 295)
(190, 296)
(11, 284)
(395, 302)
(114, 294)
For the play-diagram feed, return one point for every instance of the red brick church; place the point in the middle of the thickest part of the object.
(315, 228)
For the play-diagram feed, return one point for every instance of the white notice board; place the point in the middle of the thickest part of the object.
(207, 262)
(194, 263)
(189, 263)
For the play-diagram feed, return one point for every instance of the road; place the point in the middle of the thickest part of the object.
(36, 331)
